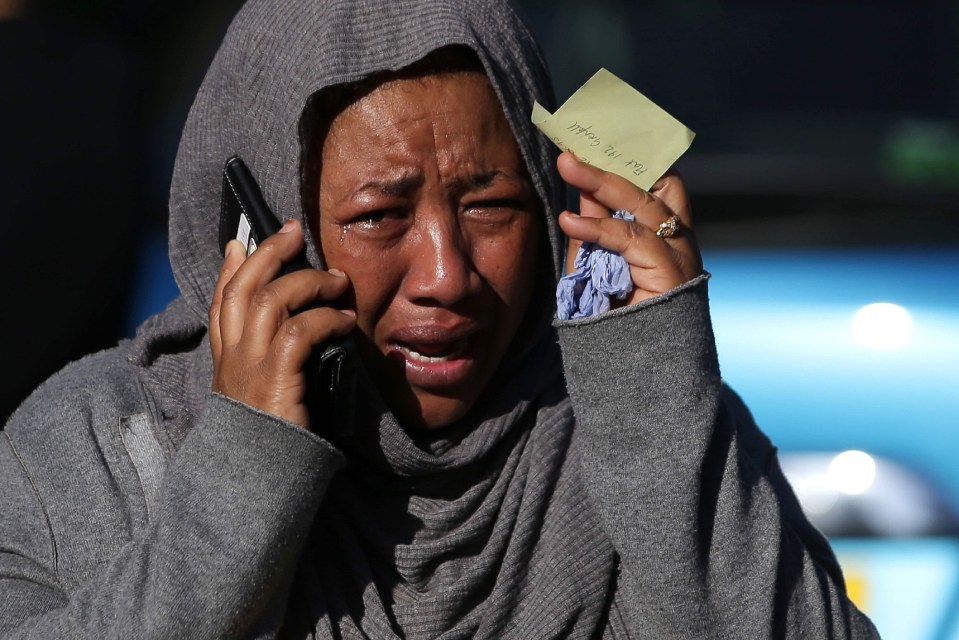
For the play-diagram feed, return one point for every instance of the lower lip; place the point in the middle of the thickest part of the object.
(436, 375)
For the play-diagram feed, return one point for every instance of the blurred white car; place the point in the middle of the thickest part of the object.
(895, 538)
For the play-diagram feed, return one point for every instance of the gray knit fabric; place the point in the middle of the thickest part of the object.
(642, 503)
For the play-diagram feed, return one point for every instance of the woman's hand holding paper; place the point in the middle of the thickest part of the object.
(657, 263)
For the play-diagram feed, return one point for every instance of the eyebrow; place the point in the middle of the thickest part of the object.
(482, 180)
(392, 187)
(477, 180)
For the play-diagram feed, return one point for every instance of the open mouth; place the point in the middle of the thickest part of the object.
(425, 353)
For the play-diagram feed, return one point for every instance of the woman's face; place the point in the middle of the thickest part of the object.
(426, 205)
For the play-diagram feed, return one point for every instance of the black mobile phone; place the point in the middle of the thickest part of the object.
(245, 216)
(244, 213)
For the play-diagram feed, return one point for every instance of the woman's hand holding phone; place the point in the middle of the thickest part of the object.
(263, 328)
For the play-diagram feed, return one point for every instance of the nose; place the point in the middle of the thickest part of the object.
(441, 270)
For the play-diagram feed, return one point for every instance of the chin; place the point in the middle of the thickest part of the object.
(423, 410)
(431, 412)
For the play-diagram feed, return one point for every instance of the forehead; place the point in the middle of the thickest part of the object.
(453, 103)
(446, 128)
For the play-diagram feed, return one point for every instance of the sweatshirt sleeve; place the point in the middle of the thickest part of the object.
(216, 559)
(712, 541)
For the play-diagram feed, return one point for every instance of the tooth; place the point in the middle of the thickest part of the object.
(415, 355)
(456, 350)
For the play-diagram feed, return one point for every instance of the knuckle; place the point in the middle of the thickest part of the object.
(634, 231)
(214, 316)
(291, 333)
(231, 292)
(266, 298)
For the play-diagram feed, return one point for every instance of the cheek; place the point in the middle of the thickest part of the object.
(374, 277)
(509, 263)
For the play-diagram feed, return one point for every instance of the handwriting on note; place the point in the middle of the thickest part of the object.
(610, 151)
(609, 124)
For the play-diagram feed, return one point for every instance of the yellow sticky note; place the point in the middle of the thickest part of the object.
(610, 125)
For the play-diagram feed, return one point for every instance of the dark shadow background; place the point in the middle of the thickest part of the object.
(93, 95)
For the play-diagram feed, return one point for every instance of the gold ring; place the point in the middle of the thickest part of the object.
(669, 227)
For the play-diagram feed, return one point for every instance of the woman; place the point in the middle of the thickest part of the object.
(465, 492)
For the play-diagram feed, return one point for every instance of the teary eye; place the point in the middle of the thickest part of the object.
(495, 210)
(371, 219)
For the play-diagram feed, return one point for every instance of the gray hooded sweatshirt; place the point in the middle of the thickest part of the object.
(604, 485)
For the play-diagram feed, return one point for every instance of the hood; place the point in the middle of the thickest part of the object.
(277, 53)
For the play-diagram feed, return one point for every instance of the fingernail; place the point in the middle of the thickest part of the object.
(349, 313)
(337, 273)
(231, 248)
(288, 226)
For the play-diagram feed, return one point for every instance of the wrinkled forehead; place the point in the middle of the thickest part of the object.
(326, 104)
(436, 109)
(444, 129)
(446, 78)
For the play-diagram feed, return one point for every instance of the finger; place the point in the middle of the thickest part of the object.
(672, 191)
(282, 375)
(298, 336)
(615, 192)
(276, 302)
(256, 271)
(654, 266)
(638, 245)
(607, 189)
(588, 207)
(234, 256)
(572, 248)
(618, 236)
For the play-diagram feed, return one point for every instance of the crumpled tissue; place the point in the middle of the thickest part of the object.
(597, 276)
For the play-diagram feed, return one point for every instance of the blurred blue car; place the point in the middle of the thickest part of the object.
(849, 360)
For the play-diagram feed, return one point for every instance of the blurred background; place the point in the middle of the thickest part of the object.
(825, 185)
